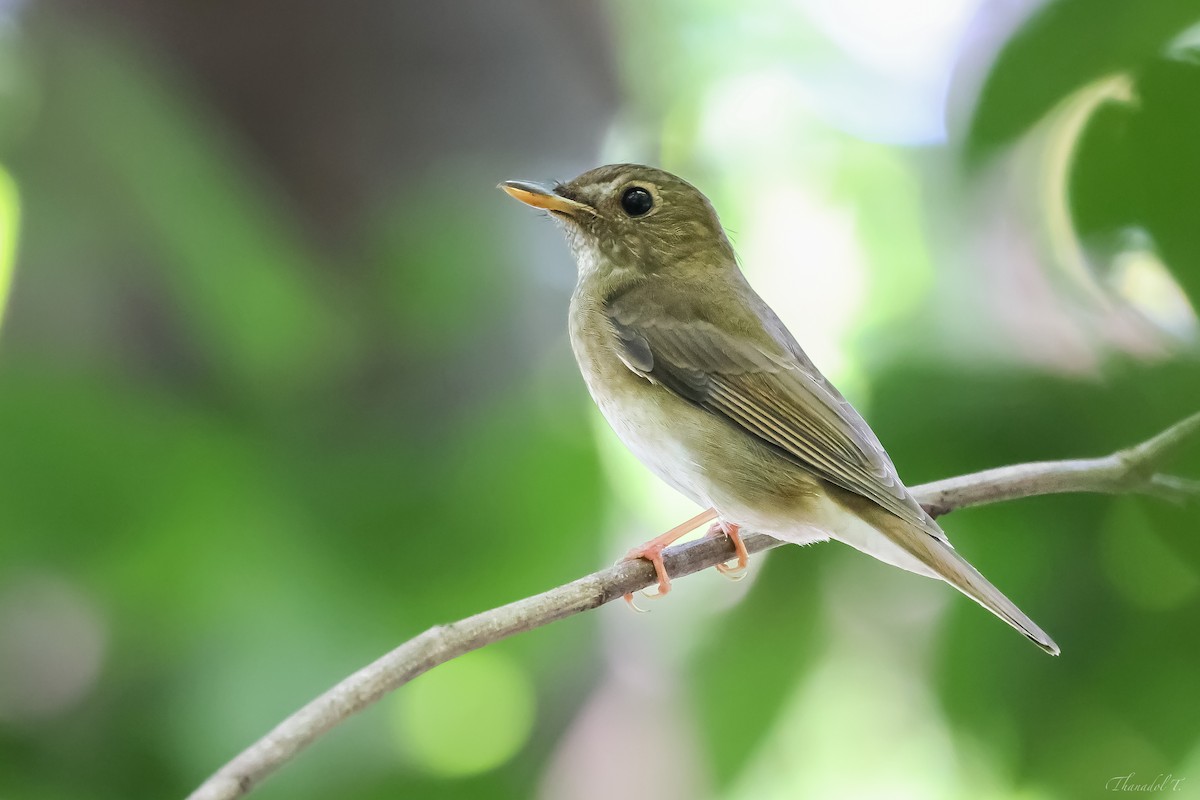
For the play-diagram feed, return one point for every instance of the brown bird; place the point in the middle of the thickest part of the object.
(701, 380)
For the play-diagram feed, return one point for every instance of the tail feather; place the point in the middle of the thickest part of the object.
(958, 572)
(929, 552)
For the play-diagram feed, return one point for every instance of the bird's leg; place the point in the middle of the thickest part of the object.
(722, 528)
(653, 549)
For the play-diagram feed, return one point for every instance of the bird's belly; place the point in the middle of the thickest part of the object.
(700, 454)
(655, 427)
(747, 483)
(715, 464)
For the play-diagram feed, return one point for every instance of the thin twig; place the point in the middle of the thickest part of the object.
(1133, 470)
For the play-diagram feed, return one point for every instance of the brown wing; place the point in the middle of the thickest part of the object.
(765, 385)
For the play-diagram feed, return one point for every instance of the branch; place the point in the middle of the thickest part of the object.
(1133, 470)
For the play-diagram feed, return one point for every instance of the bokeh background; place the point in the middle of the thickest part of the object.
(285, 381)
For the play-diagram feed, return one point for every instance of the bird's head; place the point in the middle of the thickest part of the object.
(628, 217)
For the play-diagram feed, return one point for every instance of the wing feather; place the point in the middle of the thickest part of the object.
(773, 393)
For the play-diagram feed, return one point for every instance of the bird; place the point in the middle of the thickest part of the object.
(701, 380)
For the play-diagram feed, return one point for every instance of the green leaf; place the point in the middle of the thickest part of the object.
(1066, 45)
(1137, 166)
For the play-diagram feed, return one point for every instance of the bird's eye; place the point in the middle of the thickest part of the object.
(636, 201)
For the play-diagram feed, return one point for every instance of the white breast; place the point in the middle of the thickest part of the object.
(649, 420)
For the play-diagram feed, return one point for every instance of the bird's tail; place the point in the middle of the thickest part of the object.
(958, 572)
(939, 559)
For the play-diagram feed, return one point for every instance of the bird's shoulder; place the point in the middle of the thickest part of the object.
(721, 309)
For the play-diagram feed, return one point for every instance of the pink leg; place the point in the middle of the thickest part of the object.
(653, 549)
(720, 528)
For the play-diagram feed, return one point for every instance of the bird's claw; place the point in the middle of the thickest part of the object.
(732, 573)
(652, 552)
(636, 608)
(738, 572)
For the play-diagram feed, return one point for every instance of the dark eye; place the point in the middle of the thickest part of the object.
(636, 201)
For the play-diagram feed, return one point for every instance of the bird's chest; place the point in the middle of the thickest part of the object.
(656, 425)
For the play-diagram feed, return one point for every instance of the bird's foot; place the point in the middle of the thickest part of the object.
(722, 528)
(652, 551)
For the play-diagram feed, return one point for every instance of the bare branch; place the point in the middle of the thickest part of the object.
(1134, 470)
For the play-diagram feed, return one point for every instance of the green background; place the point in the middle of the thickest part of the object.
(284, 381)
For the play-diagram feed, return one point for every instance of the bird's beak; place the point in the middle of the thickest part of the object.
(538, 196)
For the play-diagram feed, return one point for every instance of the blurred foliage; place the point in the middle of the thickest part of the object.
(1029, 710)
(9, 221)
(1136, 165)
(228, 481)
(745, 663)
(1062, 47)
(246, 446)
